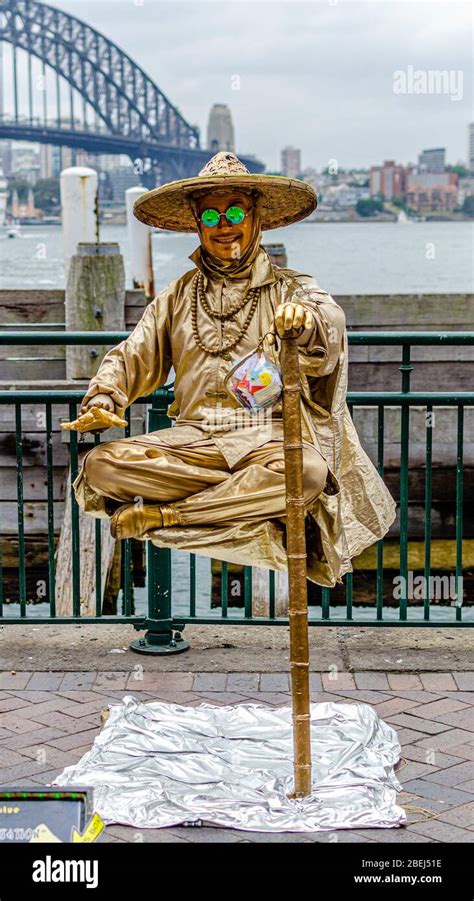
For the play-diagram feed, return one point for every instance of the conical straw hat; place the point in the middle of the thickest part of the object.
(282, 201)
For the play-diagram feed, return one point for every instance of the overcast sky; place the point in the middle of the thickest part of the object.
(317, 74)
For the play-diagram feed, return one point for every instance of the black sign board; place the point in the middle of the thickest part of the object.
(45, 814)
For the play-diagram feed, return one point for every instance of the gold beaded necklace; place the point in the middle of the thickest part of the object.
(198, 292)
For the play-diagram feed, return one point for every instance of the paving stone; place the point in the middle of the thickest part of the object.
(45, 681)
(274, 682)
(8, 757)
(80, 697)
(445, 740)
(464, 681)
(444, 794)
(431, 755)
(315, 682)
(242, 681)
(31, 711)
(273, 698)
(404, 681)
(466, 751)
(47, 777)
(180, 697)
(16, 742)
(462, 816)
(365, 696)
(442, 832)
(453, 775)
(76, 681)
(209, 834)
(209, 682)
(438, 681)
(228, 698)
(165, 681)
(396, 835)
(374, 681)
(12, 704)
(112, 680)
(78, 739)
(62, 721)
(130, 834)
(463, 719)
(417, 723)
(323, 697)
(34, 697)
(338, 681)
(8, 775)
(467, 786)
(413, 770)
(421, 696)
(434, 709)
(13, 681)
(395, 705)
(467, 696)
(79, 711)
(45, 756)
(407, 736)
(13, 723)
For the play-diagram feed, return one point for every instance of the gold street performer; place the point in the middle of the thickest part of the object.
(214, 483)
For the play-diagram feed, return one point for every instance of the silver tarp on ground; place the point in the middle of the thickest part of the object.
(158, 764)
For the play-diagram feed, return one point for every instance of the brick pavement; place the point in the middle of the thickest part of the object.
(49, 720)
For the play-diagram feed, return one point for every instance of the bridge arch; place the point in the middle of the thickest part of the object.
(123, 96)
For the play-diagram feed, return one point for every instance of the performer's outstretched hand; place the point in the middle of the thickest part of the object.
(292, 316)
(99, 400)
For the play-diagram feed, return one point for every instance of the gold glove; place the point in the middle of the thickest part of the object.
(95, 418)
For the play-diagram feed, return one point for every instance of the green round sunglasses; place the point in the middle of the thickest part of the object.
(233, 214)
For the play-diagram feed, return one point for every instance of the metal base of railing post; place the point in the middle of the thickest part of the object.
(160, 643)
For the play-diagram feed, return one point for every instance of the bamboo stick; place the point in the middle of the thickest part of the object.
(296, 553)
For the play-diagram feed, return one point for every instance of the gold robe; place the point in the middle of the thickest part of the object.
(355, 508)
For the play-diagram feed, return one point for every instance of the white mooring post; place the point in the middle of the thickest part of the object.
(139, 241)
(79, 210)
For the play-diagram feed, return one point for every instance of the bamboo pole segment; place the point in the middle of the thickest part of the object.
(296, 553)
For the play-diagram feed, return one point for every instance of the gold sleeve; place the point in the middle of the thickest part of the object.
(139, 364)
(320, 347)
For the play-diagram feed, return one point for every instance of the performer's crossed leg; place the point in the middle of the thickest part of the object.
(196, 481)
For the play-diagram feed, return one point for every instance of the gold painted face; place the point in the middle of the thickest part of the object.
(225, 240)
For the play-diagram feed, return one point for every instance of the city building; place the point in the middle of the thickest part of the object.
(291, 162)
(433, 160)
(220, 129)
(387, 181)
(441, 198)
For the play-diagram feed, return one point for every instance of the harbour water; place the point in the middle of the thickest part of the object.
(345, 258)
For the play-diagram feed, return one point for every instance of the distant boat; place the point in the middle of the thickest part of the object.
(402, 218)
(13, 230)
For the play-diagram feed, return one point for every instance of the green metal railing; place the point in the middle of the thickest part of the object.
(163, 624)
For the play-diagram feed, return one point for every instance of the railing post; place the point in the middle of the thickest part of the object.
(160, 638)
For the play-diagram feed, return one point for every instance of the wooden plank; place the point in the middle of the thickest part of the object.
(87, 547)
(31, 369)
(35, 484)
(424, 377)
(36, 517)
(402, 312)
(21, 308)
(261, 592)
(34, 449)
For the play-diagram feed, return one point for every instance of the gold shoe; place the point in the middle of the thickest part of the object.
(133, 520)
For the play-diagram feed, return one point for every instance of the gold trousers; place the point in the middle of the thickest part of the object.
(196, 479)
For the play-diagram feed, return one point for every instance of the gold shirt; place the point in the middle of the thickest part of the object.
(355, 508)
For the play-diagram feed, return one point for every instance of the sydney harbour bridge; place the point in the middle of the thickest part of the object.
(103, 101)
